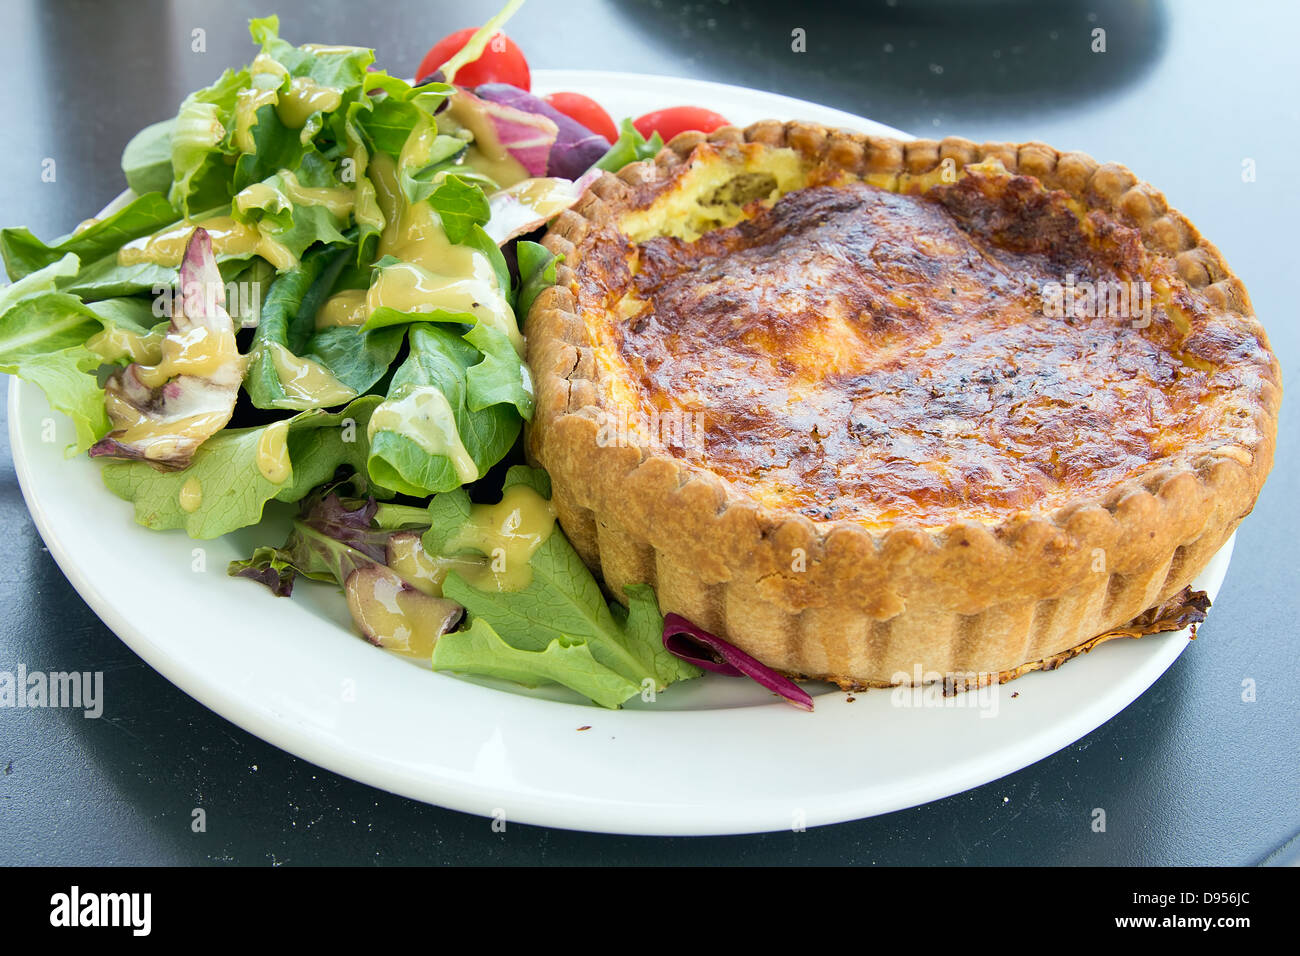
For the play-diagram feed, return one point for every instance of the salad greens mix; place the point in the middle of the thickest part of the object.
(313, 294)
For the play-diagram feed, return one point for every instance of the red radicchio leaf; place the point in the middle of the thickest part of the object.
(683, 639)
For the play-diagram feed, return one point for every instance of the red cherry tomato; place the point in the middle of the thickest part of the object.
(584, 110)
(502, 61)
(678, 119)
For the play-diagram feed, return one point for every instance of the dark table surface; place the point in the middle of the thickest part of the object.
(1188, 94)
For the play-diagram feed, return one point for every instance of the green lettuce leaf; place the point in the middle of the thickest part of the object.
(533, 634)
(563, 600)
(200, 142)
(536, 274)
(24, 253)
(147, 159)
(233, 489)
(357, 358)
(461, 205)
(501, 378)
(630, 147)
(480, 650)
(431, 440)
(42, 341)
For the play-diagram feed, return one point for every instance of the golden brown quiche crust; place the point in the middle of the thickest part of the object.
(923, 558)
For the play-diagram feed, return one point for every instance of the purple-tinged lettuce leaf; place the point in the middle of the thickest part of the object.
(164, 423)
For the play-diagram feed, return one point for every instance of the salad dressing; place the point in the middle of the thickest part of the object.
(266, 65)
(115, 343)
(303, 98)
(337, 200)
(229, 237)
(160, 440)
(435, 273)
(190, 496)
(273, 453)
(306, 383)
(200, 351)
(423, 414)
(343, 308)
(247, 103)
(335, 49)
(406, 556)
(392, 615)
(486, 154)
(508, 534)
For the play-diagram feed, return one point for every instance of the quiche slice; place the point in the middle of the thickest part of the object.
(879, 412)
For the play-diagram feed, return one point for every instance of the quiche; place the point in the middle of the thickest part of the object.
(884, 412)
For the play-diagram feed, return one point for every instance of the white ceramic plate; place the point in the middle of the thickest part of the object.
(710, 756)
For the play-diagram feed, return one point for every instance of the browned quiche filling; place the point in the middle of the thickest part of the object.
(980, 348)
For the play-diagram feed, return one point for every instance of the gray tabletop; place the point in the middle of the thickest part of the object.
(1197, 97)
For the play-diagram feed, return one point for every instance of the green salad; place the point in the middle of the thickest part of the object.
(313, 293)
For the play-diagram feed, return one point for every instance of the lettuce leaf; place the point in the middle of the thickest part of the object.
(355, 357)
(630, 147)
(147, 158)
(200, 142)
(536, 274)
(461, 206)
(480, 650)
(427, 436)
(24, 253)
(43, 337)
(558, 628)
(42, 341)
(233, 489)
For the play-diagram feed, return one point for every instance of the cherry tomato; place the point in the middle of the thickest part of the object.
(678, 119)
(502, 61)
(584, 110)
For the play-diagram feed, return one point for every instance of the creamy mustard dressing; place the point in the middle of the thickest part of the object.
(434, 273)
(336, 199)
(397, 617)
(325, 49)
(527, 205)
(247, 103)
(508, 534)
(304, 97)
(306, 382)
(406, 556)
(486, 154)
(156, 440)
(265, 65)
(229, 238)
(200, 351)
(190, 496)
(423, 414)
(114, 343)
(273, 453)
(343, 308)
